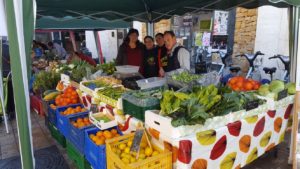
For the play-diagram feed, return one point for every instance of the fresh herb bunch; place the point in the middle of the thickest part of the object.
(46, 80)
(108, 68)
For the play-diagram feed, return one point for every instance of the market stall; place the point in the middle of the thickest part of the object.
(16, 24)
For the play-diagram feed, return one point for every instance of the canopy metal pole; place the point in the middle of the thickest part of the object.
(150, 29)
(294, 53)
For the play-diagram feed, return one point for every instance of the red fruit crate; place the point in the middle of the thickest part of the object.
(36, 104)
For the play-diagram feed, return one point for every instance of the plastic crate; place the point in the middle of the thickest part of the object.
(36, 104)
(94, 154)
(137, 111)
(57, 135)
(106, 99)
(76, 135)
(77, 157)
(161, 161)
(52, 115)
(127, 69)
(136, 107)
(62, 121)
(151, 82)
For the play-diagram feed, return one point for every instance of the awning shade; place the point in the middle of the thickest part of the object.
(143, 10)
(76, 23)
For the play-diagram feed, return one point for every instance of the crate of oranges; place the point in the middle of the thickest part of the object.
(94, 148)
(68, 97)
(118, 155)
(64, 113)
(77, 126)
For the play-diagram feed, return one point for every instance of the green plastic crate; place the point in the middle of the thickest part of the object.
(137, 111)
(77, 157)
(136, 107)
(57, 135)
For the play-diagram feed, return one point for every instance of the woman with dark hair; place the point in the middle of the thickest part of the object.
(150, 63)
(131, 51)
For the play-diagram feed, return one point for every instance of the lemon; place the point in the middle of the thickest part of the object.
(122, 146)
(127, 150)
(129, 143)
(125, 160)
(114, 150)
(132, 160)
(142, 156)
(148, 151)
(155, 153)
(142, 151)
(123, 155)
(118, 151)
(128, 156)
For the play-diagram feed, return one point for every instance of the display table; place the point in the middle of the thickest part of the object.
(231, 146)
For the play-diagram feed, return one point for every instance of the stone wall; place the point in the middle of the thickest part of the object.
(160, 26)
(244, 35)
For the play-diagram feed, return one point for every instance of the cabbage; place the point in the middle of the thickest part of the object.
(263, 90)
(276, 86)
(291, 87)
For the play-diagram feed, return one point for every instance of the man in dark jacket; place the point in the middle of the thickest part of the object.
(177, 56)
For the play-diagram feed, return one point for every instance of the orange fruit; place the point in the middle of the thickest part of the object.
(80, 124)
(99, 133)
(74, 93)
(79, 119)
(102, 138)
(239, 84)
(92, 136)
(86, 119)
(107, 134)
(117, 135)
(248, 86)
(78, 109)
(114, 131)
(75, 124)
(233, 81)
(100, 142)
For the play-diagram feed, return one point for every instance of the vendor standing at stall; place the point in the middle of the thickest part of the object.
(131, 50)
(177, 56)
(150, 62)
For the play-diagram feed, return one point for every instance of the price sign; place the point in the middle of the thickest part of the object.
(65, 78)
(251, 105)
(135, 147)
(282, 94)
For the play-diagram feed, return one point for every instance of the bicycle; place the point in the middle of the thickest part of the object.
(286, 62)
(227, 71)
(251, 58)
